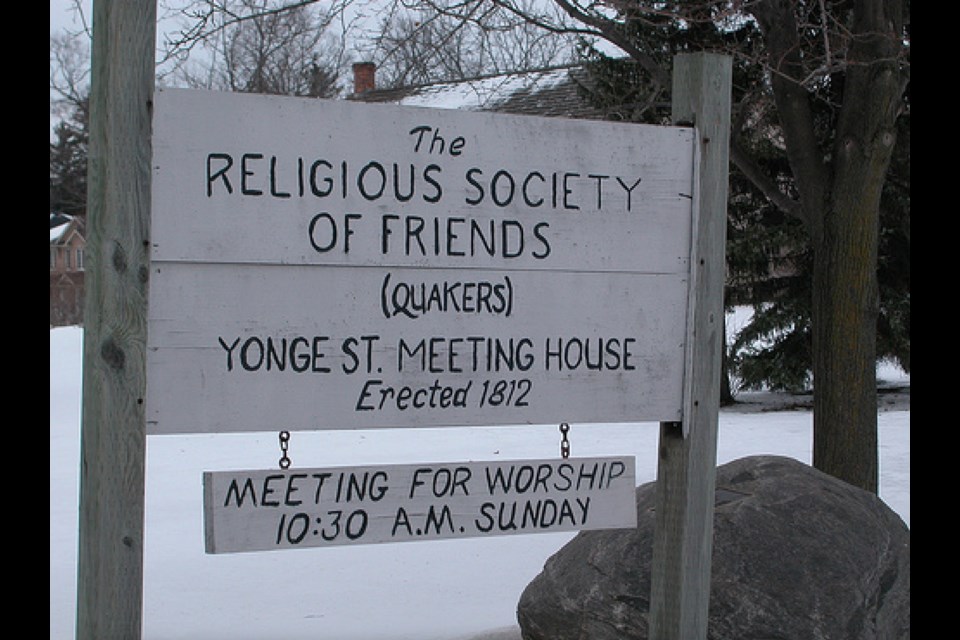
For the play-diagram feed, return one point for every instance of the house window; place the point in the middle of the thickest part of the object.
(53, 258)
(67, 262)
(79, 259)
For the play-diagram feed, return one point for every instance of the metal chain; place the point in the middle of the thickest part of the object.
(284, 445)
(564, 442)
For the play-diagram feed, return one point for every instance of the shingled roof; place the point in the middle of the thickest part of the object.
(555, 91)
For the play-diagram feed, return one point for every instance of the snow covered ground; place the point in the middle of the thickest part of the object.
(432, 590)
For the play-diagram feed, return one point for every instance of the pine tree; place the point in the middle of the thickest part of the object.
(68, 164)
(769, 257)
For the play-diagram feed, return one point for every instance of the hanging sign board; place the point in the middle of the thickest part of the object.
(329, 264)
(266, 510)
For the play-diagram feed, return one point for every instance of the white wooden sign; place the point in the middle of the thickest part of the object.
(264, 510)
(332, 265)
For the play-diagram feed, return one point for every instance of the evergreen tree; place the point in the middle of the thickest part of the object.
(68, 164)
(769, 258)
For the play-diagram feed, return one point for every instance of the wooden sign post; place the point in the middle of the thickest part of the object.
(113, 436)
(686, 476)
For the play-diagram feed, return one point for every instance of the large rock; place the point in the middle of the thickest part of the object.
(797, 555)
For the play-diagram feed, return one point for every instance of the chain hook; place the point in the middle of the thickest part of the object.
(564, 442)
(284, 445)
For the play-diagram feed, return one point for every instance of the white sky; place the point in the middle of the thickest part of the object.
(63, 16)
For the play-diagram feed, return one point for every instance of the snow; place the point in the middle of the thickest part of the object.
(432, 590)
(56, 233)
(482, 93)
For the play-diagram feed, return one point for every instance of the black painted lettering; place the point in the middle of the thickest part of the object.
(416, 481)
(299, 360)
(629, 190)
(252, 361)
(379, 181)
(538, 230)
(499, 479)
(533, 204)
(627, 363)
(435, 141)
(352, 363)
(291, 489)
(544, 471)
(378, 485)
(584, 508)
(267, 490)
(502, 177)
(437, 521)
(516, 250)
(438, 190)
(246, 172)
(414, 231)
(524, 478)
(599, 179)
(452, 236)
(238, 495)
(567, 191)
(487, 237)
(325, 186)
(590, 476)
(229, 351)
(323, 232)
(507, 521)
(476, 185)
(347, 230)
(364, 394)
(318, 354)
(419, 132)
(566, 511)
(402, 197)
(385, 231)
(487, 524)
(276, 357)
(403, 350)
(552, 354)
(273, 180)
(321, 478)
(219, 173)
(565, 476)
(401, 519)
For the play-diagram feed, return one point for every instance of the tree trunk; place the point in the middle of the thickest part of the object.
(844, 341)
(845, 298)
(840, 205)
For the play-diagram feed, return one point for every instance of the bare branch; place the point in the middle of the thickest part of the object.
(69, 69)
(608, 28)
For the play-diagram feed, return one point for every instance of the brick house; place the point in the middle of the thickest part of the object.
(67, 244)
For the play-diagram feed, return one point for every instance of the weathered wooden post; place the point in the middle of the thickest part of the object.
(110, 552)
(686, 476)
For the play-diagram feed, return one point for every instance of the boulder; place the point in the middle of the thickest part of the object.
(797, 555)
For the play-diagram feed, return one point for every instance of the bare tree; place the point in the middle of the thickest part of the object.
(257, 46)
(69, 73)
(462, 41)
